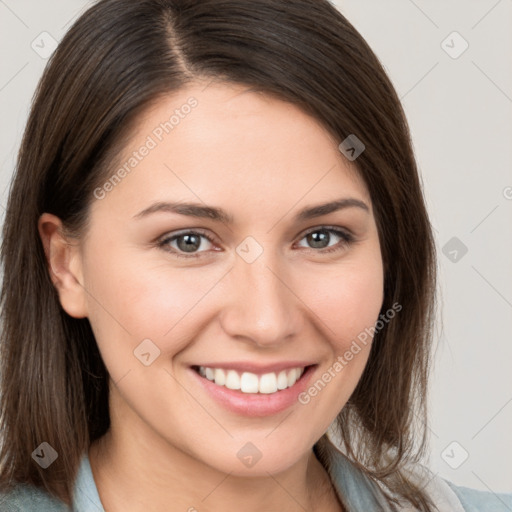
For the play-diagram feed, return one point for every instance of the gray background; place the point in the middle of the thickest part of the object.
(459, 108)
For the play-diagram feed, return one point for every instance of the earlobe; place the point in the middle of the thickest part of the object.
(64, 265)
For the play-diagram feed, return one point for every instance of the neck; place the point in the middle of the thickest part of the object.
(133, 474)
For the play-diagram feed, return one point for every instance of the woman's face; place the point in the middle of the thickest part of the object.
(172, 289)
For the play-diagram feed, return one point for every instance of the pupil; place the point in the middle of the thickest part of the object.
(317, 239)
(192, 242)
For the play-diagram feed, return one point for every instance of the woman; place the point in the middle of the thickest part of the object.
(215, 248)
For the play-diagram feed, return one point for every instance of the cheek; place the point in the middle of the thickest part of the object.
(347, 301)
(130, 300)
(350, 307)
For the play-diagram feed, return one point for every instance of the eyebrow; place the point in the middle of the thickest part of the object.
(220, 215)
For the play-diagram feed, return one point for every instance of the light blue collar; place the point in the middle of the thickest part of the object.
(86, 498)
(355, 489)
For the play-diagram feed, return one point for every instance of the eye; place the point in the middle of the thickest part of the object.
(321, 237)
(187, 243)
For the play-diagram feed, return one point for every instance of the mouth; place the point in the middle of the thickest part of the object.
(250, 382)
(252, 390)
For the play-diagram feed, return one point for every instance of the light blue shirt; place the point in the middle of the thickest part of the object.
(356, 491)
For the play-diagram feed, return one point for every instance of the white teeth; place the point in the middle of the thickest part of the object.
(232, 380)
(292, 377)
(220, 377)
(249, 382)
(268, 383)
(282, 380)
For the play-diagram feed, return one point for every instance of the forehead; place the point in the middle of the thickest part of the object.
(227, 143)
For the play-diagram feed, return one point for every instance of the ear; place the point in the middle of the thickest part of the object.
(64, 265)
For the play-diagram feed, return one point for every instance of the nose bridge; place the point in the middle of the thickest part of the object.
(262, 307)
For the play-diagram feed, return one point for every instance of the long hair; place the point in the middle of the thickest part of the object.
(119, 58)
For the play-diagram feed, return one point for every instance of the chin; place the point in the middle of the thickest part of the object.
(257, 458)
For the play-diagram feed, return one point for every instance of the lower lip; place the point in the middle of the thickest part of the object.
(255, 404)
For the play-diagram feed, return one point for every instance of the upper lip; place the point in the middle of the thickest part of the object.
(252, 367)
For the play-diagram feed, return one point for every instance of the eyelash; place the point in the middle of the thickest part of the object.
(346, 240)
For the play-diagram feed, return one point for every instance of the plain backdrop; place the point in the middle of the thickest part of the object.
(451, 63)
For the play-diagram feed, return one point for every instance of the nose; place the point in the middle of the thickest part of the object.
(262, 307)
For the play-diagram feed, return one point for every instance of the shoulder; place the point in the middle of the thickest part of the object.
(27, 498)
(475, 501)
(447, 497)
(454, 498)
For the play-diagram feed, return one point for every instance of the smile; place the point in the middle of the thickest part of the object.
(248, 382)
(251, 389)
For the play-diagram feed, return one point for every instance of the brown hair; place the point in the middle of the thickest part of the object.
(118, 58)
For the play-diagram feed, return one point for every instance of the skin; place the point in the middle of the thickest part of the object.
(171, 447)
